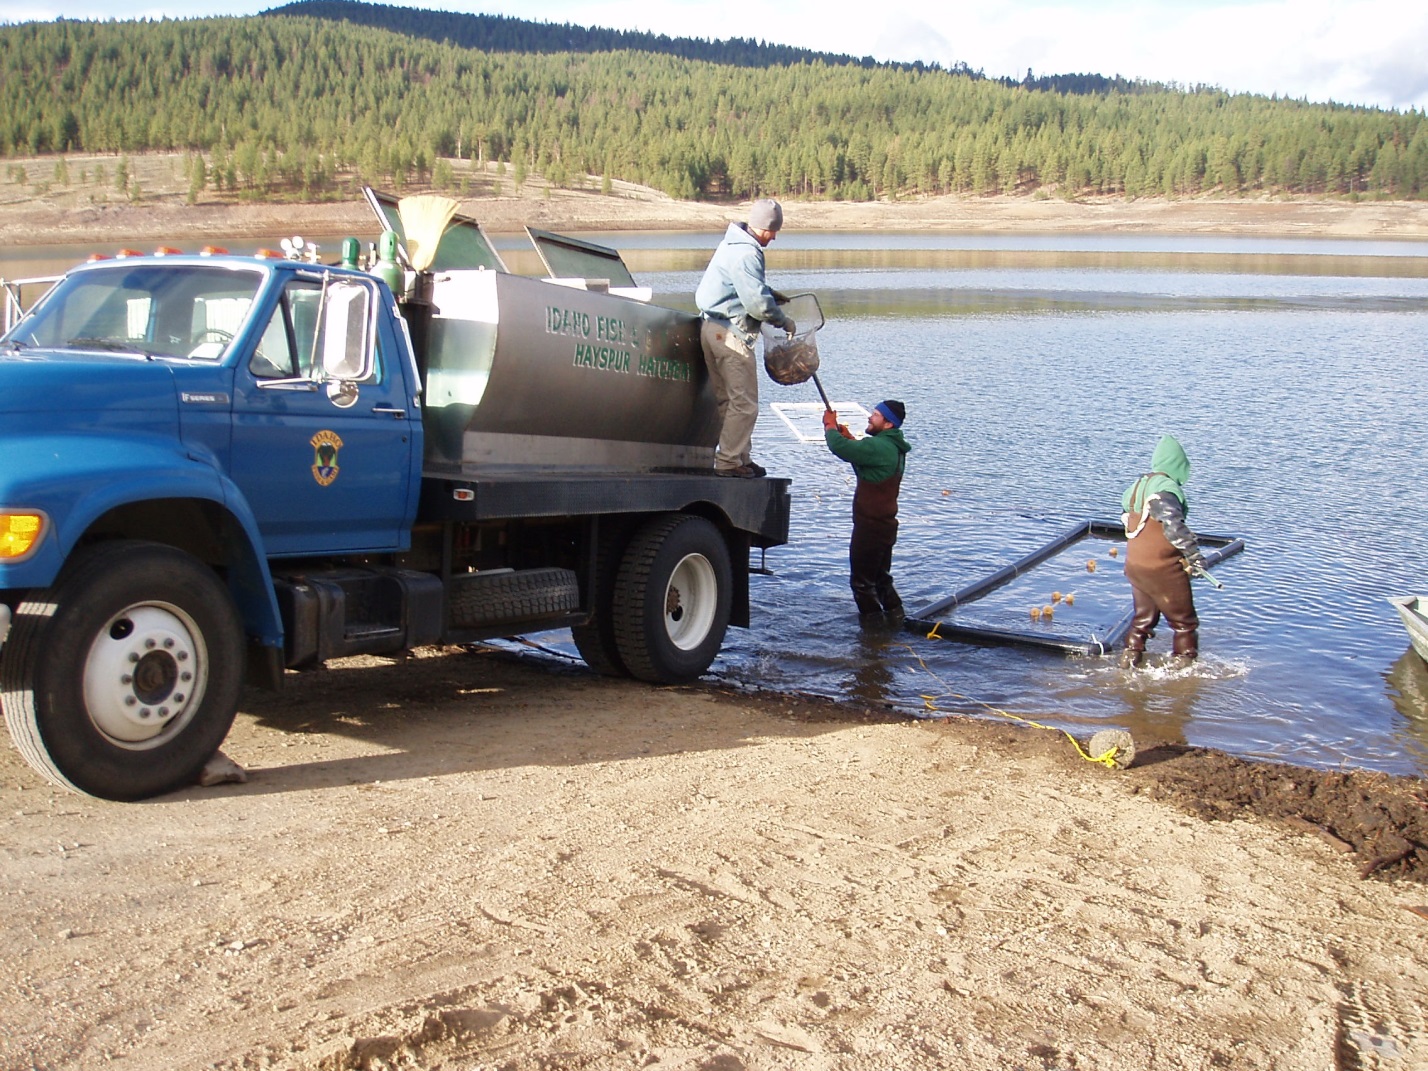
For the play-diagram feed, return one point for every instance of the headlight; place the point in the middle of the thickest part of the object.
(20, 534)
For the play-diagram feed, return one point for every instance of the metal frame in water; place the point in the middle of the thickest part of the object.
(928, 623)
(804, 419)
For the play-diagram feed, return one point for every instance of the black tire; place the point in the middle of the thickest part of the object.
(596, 643)
(523, 595)
(672, 598)
(595, 640)
(123, 678)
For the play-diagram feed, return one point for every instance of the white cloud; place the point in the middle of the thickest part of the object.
(1353, 51)
(909, 39)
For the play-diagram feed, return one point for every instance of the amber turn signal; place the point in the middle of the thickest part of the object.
(20, 534)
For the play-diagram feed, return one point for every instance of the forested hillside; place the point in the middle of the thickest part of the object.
(289, 105)
(503, 33)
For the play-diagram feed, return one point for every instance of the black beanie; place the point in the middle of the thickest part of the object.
(896, 409)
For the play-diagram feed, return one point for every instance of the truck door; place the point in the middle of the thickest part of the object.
(322, 424)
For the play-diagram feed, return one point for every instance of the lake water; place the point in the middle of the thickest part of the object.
(1038, 373)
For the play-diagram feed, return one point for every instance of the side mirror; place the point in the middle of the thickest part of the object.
(345, 342)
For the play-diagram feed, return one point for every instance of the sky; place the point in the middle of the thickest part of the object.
(1370, 52)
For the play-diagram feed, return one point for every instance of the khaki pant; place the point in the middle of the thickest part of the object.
(733, 373)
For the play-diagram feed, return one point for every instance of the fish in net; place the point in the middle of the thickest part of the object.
(789, 361)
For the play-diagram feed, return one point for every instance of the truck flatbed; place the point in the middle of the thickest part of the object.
(759, 507)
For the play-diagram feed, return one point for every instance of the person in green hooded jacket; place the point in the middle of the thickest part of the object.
(878, 459)
(1161, 554)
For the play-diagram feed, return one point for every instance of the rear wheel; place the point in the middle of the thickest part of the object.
(122, 679)
(595, 640)
(672, 599)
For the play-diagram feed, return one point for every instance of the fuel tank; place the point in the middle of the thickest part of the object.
(565, 375)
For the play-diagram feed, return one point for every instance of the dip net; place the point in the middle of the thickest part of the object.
(791, 360)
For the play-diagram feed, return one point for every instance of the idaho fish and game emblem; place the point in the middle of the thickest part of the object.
(325, 445)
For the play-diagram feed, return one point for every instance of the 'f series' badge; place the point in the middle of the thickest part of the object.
(325, 445)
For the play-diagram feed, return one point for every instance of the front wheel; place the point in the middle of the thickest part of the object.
(672, 599)
(122, 679)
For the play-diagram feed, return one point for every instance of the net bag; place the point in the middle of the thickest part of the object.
(791, 360)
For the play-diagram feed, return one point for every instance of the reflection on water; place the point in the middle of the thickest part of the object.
(651, 252)
(871, 680)
(1037, 380)
(1289, 394)
(1161, 699)
(1029, 245)
(981, 301)
(1408, 690)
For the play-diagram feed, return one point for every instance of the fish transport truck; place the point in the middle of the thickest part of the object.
(219, 469)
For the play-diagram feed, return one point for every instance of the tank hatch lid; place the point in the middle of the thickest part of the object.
(463, 244)
(572, 258)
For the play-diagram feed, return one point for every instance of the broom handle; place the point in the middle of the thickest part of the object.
(822, 393)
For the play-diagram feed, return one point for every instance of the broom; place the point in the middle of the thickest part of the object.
(424, 218)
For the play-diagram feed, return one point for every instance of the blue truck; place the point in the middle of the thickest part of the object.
(218, 470)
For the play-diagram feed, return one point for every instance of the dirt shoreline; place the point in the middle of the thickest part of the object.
(464, 859)
(80, 210)
(467, 859)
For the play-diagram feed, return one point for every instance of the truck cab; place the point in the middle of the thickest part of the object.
(224, 469)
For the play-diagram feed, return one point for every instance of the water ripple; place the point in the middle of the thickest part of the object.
(1294, 415)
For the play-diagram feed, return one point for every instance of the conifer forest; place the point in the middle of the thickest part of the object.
(314, 98)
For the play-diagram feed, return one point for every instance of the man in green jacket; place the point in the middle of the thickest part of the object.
(878, 460)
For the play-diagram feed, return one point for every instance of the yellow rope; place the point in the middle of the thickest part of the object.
(930, 703)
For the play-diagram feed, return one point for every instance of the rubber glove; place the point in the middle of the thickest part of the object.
(830, 419)
(790, 326)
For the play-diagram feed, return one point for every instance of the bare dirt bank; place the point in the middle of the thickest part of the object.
(84, 208)
(463, 860)
(469, 860)
(590, 212)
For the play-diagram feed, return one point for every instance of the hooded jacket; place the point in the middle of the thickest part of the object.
(1170, 469)
(1159, 496)
(733, 287)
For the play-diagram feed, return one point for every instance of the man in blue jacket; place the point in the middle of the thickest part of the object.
(734, 298)
(878, 459)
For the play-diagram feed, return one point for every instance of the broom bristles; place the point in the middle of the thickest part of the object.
(424, 218)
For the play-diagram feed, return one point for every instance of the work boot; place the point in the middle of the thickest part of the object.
(1132, 658)
(1186, 645)
(881, 621)
(743, 472)
(890, 599)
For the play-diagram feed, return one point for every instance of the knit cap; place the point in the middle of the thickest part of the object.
(766, 215)
(893, 411)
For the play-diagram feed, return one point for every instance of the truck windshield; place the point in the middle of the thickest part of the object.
(159, 310)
